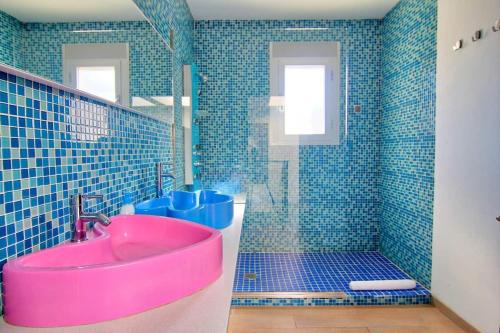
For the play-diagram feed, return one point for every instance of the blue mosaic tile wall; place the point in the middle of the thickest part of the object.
(335, 204)
(349, 300)
(54, 144)
(10, 31)
(407, 136)
(163, 16)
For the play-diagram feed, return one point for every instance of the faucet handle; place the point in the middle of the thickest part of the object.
(86, 197)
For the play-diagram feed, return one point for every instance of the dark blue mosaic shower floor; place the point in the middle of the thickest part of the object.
(317, 272)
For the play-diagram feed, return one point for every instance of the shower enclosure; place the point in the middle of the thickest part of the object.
(311, 220)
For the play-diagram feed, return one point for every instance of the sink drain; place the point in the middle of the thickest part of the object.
(250, 276)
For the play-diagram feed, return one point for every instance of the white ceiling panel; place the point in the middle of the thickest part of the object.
(289, 9)
(71, 10)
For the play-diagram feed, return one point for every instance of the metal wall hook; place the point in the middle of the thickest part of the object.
(458, 45)
(496, 26)
(477, 35)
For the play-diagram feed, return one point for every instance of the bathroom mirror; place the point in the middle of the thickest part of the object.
(105, 48)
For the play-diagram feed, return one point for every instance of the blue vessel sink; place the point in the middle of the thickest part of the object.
(157, 206)
(184, 205)
(217, 209)
(206, 207)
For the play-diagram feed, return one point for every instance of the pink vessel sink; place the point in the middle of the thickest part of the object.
(137, 263)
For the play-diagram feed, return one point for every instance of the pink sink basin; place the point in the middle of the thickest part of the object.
(135, 264)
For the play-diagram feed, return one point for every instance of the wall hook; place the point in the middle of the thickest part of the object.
(477, 35)
(496, 26)
(458, 45)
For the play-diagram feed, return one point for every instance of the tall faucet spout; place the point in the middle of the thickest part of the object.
(81, 218)
(159, 179)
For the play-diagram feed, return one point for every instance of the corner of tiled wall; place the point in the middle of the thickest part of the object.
(407, 135)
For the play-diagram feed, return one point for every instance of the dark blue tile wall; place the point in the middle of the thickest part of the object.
(54, 144)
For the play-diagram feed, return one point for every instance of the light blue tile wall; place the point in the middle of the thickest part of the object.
(54, 144)
(407, 135)
(338, 204)
(10, 35)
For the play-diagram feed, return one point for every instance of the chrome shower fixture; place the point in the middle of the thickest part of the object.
(203, 77)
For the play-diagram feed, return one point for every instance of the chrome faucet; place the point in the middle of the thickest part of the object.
(80, 217)
(159, 179)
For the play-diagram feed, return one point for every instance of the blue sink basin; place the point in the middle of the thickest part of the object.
(184, 205)
(218, 209)
(156, 206)
(207, 207)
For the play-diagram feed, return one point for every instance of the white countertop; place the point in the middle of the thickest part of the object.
(207, 311)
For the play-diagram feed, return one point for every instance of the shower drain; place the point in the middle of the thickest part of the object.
(250, 276)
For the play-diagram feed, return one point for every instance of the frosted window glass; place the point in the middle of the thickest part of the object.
(304, 99)
(97, 80)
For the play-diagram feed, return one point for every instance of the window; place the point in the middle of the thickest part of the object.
(98, 69)
(305, 88)
(304, 99)
(97, 80)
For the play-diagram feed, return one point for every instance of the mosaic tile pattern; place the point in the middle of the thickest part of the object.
(10, 31)
(348, 301)
(55, 144)
(163, 16)
(407, 135)
(317, 272)
(312, 198)
(320, 272)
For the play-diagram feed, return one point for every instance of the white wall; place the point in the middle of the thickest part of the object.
(466, 245)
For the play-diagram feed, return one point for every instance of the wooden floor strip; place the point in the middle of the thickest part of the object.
(405, 319)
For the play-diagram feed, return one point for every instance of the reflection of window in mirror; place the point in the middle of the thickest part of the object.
(305, 89)
(99, 69)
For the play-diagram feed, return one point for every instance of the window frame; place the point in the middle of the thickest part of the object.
(277, 136)
(104, 56)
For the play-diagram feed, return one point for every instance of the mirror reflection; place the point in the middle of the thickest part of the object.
(107, 49)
